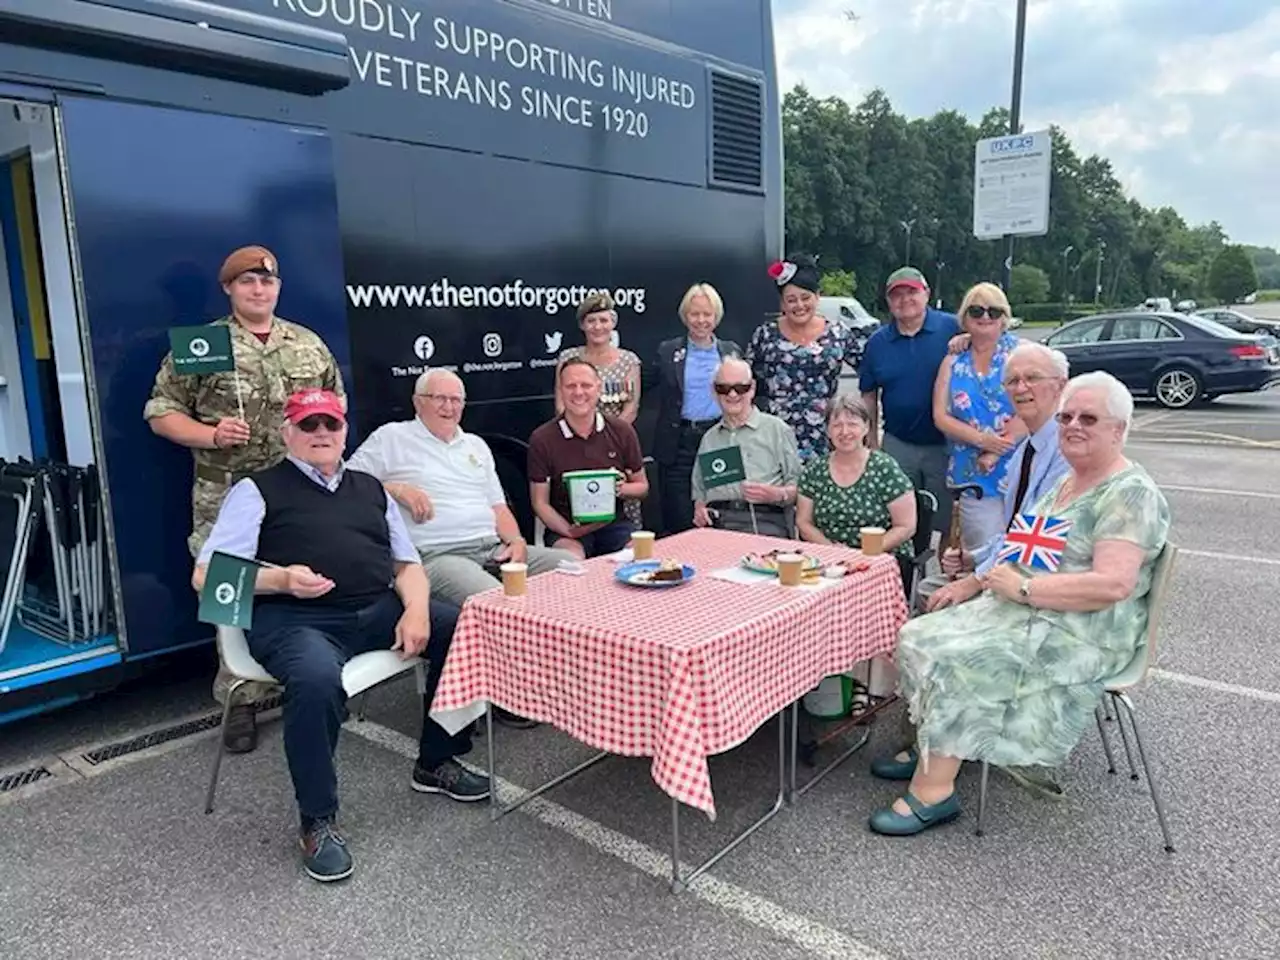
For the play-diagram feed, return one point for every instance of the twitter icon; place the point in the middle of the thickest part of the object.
(553, 341)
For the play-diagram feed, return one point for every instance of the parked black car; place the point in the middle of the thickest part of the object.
(1241, 322)
(1175, 358)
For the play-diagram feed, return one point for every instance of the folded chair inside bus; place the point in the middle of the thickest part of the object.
(56, 577)
(17, 519)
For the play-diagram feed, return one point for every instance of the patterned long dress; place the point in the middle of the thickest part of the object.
(1015, 685)
(982, 402)
(800, 378)
(618, 382)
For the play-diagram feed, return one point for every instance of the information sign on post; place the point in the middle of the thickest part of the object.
(1011, 177)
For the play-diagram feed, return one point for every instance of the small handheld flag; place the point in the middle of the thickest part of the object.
(227, 595)
(1034, 541)
(722, 466)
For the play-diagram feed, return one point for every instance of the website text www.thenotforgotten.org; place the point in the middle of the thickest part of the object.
(442, 295)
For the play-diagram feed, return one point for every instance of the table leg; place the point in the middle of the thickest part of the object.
(813, 781)
(678, 882)
(496, 808)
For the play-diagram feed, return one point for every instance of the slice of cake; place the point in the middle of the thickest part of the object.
(668, 570)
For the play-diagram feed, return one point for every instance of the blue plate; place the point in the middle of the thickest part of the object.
(632, 574)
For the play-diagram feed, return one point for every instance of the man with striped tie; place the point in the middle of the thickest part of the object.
(1035, 377)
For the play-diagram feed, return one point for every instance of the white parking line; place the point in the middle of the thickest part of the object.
(1233, 557)
(1220, 491)
(808, 934)
(1252, 693)
(1142, 423)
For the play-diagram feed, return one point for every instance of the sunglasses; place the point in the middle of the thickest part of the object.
(976, 311)
(741, 389)
(1066, 418)
(313, 423)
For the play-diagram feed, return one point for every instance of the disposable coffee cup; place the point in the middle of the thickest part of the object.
(642, 544)
(790, 569)
(515, 579)
(873, 540)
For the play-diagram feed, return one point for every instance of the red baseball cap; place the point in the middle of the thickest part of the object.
(306, 403)
(906, 277)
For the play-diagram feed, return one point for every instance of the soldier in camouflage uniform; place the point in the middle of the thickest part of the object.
(274, 358)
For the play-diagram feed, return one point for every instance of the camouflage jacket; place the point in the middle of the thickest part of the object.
(293, 358)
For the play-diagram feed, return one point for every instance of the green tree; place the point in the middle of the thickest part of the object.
(839, 283)
(1267, 264)
(857, 175)
(1028, 284)
(1232, 275)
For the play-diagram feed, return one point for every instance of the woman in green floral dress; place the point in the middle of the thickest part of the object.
(1013, 676)
(854, 487)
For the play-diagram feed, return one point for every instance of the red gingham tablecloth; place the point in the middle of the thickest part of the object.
(675, 674)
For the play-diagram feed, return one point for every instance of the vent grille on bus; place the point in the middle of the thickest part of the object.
(737, 131)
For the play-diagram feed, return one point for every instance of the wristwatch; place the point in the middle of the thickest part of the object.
(1024, 588)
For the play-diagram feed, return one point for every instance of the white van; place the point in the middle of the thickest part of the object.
(847, 312)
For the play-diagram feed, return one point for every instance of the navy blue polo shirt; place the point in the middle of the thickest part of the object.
(903, 369)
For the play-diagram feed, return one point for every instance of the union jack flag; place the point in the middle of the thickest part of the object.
(1035, 542)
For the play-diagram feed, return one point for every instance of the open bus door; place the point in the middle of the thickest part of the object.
(114, 220)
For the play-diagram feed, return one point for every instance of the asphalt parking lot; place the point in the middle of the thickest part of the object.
(120, 861)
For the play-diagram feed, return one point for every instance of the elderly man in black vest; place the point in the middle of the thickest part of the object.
(344, 579)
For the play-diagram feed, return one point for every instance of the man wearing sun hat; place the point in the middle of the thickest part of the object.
(274, 358)
(896, 377)
(340, 577)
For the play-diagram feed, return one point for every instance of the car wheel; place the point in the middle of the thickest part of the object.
(1177, 388)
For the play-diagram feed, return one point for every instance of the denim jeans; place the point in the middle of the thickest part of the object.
(303, 644)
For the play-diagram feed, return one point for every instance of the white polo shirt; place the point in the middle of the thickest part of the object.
(459, 476)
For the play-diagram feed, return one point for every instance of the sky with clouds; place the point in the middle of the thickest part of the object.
(1180, 95)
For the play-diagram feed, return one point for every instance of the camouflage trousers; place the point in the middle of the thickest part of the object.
(206, 498)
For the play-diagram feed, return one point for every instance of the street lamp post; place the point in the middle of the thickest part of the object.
(908, 225)
(1015, 116)
(1097, 277)
(1065, 253)
(942, 265)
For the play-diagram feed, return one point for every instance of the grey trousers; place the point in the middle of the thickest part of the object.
(926, 468)
(767, 523)
(457, 570)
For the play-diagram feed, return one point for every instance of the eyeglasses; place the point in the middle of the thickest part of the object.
(444, 399)
(1066, 418)
(1030, 380)
(738, 389)
(314, 422)
(975, 311)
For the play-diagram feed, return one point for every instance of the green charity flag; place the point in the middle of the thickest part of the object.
(227, 597)
(721, 466)
(204, 349)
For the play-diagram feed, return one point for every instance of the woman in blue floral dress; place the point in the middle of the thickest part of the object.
(973, 409)
(798, 358)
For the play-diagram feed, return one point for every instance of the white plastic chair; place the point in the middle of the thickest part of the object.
(1117, 689)
(359, 674)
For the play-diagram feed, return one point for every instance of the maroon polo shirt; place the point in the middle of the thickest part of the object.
(554, 450)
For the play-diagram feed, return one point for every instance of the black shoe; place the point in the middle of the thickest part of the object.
(509, 719)
(453, 780)
(241, 733)
(324, 852)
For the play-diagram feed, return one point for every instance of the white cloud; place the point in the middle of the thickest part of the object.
(1178, 94)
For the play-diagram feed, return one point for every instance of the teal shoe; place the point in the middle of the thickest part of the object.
(891, 768)
(923, 816)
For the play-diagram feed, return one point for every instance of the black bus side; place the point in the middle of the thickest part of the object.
(439, 178)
